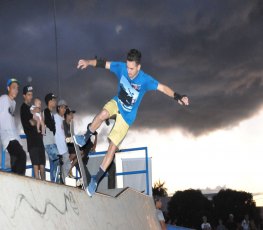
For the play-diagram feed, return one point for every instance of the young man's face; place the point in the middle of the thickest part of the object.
(158, 204)
(13, 90)
(52, 103)
(62, 110)
(28, 97)
(69, 117)
(133, 68)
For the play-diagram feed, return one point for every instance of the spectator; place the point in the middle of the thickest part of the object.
(34, 139)
(159, 213)
(252, 225)
(205, 225)
(49, 138)
(60, 138)
(68, 117)
(220, 225)
(231, 224)
(245, 223)
(8, 131)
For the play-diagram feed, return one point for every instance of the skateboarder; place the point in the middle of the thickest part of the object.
(133, 83)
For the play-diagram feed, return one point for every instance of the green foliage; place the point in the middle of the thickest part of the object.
(159, 189)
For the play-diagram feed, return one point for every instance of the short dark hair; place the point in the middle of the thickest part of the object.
(134, 55)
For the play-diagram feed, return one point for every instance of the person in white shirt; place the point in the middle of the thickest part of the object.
(60, 138)
(159, 213)
(205, 225)
(8, 132)
(245, 223)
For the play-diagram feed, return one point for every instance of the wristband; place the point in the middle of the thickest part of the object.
(101, 63)
(177, 96)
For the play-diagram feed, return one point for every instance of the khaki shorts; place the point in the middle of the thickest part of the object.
(120, 127)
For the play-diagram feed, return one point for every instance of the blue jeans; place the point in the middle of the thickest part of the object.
(52, 152)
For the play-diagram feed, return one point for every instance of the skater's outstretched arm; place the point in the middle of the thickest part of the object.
(83, 64)
(182, 99)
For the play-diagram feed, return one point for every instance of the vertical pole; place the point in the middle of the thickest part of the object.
(147, 171)
(56, 46)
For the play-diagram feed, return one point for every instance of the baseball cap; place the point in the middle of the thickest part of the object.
(10, 81)
(49, 97)
(27, 88)
(68, 111)
(62, 102)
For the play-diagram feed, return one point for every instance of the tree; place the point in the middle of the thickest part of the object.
(235, 202)
(159, 189)
(188, 207)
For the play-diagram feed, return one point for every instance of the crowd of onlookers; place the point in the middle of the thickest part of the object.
(231, 224)
(46, 124)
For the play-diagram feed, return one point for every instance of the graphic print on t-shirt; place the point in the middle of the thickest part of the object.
(128, 95)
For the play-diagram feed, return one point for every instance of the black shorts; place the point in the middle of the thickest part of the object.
(37, 155)
(17, 157)
(71, 149)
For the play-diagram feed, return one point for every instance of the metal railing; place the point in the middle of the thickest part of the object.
(145, 171)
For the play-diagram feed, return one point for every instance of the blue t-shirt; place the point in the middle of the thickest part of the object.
(131, 92)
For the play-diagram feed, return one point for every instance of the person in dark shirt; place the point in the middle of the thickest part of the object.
(68, 117)
(231, 224)
(34, 139)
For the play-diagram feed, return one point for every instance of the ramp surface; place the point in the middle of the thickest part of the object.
(26, 203)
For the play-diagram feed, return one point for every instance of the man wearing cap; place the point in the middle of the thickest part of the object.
(34, 139)
(49, 138)
(8, 132)
(60, 138)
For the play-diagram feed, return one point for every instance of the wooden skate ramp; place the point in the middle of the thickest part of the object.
(26, 203)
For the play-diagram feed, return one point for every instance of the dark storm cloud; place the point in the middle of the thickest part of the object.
(210, 50)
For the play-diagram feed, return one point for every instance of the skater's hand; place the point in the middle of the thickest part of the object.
(83, 64)
(184, 101)
(181, 99)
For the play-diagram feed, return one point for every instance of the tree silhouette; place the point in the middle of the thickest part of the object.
(235, 202)
(188, 207)
(159, 189)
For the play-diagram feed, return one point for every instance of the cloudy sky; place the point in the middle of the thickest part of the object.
(210, 50)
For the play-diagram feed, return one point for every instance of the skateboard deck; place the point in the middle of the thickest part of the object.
(79, 157)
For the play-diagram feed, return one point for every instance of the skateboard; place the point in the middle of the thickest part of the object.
(79, 157)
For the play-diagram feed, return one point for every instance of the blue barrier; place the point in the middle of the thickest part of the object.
(146, 171)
